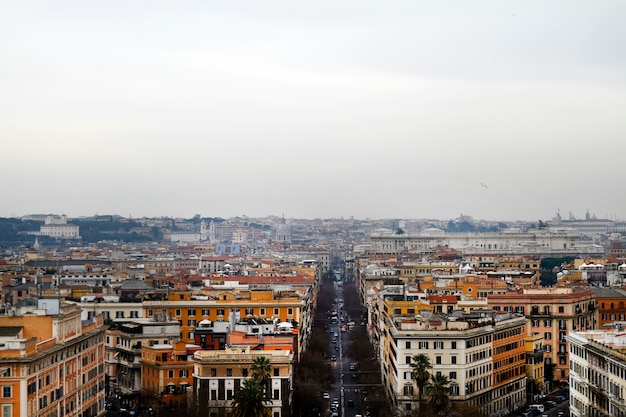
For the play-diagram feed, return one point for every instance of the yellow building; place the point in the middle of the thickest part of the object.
(534, 363)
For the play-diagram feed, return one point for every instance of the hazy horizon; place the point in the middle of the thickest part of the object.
(398, 109)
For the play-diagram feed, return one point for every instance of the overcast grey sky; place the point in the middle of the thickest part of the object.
(371, 109)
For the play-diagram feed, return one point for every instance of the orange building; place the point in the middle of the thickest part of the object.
(51, 361)
(611, 304)
(292, 306)
(167, 371)
(553, 313)
(509, 360)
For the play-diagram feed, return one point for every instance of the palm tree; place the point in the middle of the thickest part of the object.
(439, 393)
(250, 400)
(261, 371)
(420, 364)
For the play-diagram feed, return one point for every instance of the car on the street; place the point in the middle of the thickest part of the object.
(333, 358)
(561, 413)
(326, 396)
(350, 403)
(549, 404)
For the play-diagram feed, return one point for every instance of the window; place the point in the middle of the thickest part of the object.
(276, 312)
(276, 394)
(407, 345)
(262, 312)
(290, 311)
(205, 311)
(191, 322)
(178, 311)
(454, 389)
(276, 372)
(170, 374)
(183, 373)
(438, 360)
(191, 312)
(229, 371)
(408, 390)
(407, 360)
(453, 345)
(134, 314)
(7, 410)
(244, 372)
(119, 314)
(6, 391)
(547, 335)
(561, 309)
(229, 394)
(213, 372)
(453, 360)
(423, 345)
(452, 375)
(547, 323)
(397, 311)
(411, 311)
(438, 345)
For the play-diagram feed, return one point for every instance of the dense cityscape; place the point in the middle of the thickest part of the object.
(280, 317)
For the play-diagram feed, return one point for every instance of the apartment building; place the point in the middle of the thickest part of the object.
(51, 362)
(611, 303)
(167, 372)
(219, 374)
(124, 342)
(482, 353)
(553, 313)
(535, 370)
(286, 306)
(597, 376)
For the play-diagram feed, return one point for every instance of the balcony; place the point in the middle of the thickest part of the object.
(536, 313)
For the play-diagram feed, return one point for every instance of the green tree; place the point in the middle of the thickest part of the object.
(438, 391)
(250, 400)
(420, 374)
(261, 371)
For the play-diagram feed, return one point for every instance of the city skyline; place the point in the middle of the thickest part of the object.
(500, 111)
